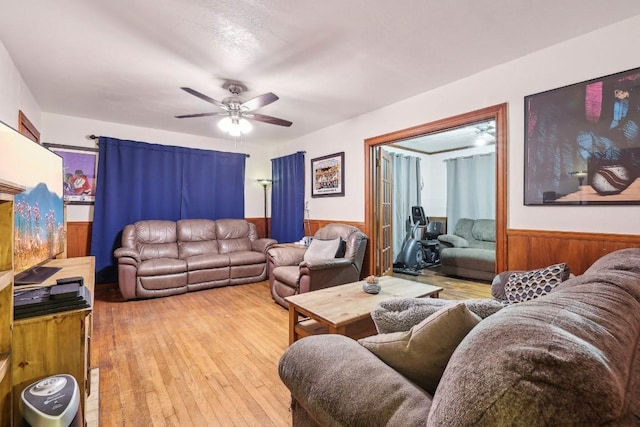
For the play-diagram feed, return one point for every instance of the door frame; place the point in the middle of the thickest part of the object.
(496, 112)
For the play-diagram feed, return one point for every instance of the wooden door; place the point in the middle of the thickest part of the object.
(384, 211)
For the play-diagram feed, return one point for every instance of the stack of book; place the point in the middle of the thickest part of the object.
(50, 299)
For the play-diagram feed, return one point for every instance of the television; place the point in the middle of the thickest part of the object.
(38, 218)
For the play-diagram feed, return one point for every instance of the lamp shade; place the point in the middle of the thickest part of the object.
(234, 126)
(225, 124)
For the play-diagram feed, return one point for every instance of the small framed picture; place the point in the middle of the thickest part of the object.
(80, 166)
(327, 175)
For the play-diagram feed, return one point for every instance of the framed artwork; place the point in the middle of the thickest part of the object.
(327, 175)
(80, 166)
(582, 143)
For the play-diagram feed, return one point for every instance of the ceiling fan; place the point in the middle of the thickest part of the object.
(485, 133)
(236, 111)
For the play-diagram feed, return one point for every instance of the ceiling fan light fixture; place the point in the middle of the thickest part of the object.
(235, 130)
(245, 126)
(234, 126)
(225, 124)
(480, 140)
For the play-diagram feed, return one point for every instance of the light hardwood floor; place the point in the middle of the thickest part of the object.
(206, 358)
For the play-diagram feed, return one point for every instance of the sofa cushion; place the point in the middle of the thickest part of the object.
(234, 235)
(287, 274)
(162, 266)
(196, 237)
(484, 230)
(324, 249)
(246, 258)
(400, 314)
(156, 239)
(207, 261)
(422, 353)
(527, 285)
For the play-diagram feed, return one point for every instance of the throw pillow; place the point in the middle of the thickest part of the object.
(527, 285)
(422, 353)
(323, 249)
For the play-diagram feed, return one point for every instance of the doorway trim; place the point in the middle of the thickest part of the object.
(497, 112)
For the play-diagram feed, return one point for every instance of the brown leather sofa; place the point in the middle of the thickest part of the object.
(290, 273)
(161, 258)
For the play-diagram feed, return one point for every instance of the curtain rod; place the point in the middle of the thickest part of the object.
(92, 136)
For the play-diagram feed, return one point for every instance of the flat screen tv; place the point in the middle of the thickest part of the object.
(39, 210)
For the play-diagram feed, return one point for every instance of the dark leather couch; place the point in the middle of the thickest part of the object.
(291, 274)
(161, 258)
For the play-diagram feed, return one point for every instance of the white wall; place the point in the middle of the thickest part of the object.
(14, 94)
(599, 53)
(74, 131)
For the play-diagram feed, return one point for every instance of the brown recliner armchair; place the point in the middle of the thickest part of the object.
(290, 273)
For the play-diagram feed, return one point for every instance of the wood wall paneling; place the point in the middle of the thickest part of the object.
(530, 249)
(78, 238)
(79, 233)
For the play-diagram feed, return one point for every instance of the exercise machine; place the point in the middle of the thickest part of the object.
(420, 248)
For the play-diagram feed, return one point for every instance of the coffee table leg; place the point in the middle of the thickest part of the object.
(293, 320)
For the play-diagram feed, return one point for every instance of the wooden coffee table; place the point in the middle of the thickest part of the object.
(346, 309)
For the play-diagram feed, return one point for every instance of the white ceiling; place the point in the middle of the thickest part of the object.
(124, 61)
(473, 135)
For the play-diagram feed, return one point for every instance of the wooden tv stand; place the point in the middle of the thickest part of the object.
(58, 343)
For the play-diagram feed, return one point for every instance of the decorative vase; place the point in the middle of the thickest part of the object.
(371, 285)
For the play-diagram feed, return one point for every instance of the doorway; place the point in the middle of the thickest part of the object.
(375, 224)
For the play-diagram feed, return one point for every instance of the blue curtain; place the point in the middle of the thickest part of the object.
(139, 181)
(287, 198)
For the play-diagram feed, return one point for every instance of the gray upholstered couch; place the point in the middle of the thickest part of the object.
(471, 250)
(160, 258)
(569, 358)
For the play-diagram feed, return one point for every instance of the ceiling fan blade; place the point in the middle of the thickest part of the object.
(259, 101)
(267, 119)
(204, 97)
(187, 116)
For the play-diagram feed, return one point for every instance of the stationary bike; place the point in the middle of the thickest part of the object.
(418, 253)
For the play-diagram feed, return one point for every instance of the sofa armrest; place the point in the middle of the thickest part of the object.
(279, 256)
(262, 245)
(323, 264)
(122, 253)
(321, 371)
(453, 241)
(320, 274)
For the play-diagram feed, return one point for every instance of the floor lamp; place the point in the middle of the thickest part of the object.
(265, 183)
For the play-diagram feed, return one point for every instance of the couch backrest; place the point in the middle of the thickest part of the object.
(568, 358)
(235, 235)
(196, 237)
(356, 240)
(480, 233)
(152, 239)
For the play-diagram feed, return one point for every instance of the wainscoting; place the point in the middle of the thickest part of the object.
(79, 233)
(78, 238)
(527, 249)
